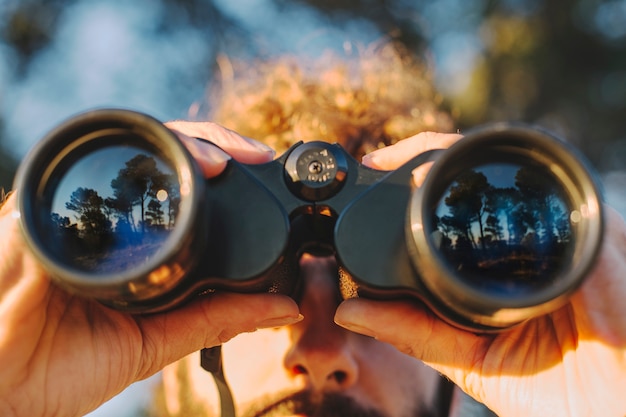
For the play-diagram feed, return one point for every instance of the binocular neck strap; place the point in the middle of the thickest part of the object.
(211, 361)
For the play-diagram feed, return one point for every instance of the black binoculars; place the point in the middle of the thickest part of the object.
(504, 228)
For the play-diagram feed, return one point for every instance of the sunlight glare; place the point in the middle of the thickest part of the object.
(162, 195)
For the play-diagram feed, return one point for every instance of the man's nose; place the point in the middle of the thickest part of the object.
(323, 357)
(324, 354)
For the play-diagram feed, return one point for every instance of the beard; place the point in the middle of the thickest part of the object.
(330, 405)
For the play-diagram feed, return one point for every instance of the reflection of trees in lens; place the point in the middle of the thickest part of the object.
(126, 228)
(89, 206)
(510, 231)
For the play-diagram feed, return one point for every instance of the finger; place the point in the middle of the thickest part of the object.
(24, 289)
(599, 305)
(212, 159)
(241, 148)
(23, 282)
(207, 322)
(414, 330)
(408, 326)
(392, 157)
(419, 173)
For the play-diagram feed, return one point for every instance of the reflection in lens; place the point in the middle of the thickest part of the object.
(505, 228)
(112, 210)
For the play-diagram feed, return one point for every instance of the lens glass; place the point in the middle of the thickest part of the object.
(111, 210)
(505, 228)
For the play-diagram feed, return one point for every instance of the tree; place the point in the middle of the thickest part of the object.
(171, 185)
(155, 213)
(541, 202)
(467, 200)
(136, 185)
(504, 201)
(93, 224)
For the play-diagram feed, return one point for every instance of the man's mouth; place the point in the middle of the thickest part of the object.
(306, 404)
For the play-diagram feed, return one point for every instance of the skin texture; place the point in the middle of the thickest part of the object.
(61, 355)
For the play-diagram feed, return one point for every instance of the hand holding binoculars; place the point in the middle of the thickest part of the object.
(504, 228)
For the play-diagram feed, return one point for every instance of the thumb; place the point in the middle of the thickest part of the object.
(209, 321)
(416, 331)
(394, 156)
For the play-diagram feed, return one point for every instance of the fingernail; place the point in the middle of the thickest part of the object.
(259, 145)
(279, 322)
(212, 160)
(217, 156)
(357, 328)
(370, 160)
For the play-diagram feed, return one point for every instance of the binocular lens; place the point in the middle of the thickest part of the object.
(505, 228)
(112, 210)
(109, 204)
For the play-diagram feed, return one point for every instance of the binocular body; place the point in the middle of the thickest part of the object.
(505, 226)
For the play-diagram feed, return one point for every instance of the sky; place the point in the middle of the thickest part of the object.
(107, 53)
(112, 53)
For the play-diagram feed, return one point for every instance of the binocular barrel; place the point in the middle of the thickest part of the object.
(504, 228)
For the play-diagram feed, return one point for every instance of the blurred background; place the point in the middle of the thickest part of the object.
(560, 64)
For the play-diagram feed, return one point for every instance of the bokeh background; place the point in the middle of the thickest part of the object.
(559, 63)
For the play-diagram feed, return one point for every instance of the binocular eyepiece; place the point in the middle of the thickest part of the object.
(505, 226)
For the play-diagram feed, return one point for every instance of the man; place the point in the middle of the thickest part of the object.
(62, 355)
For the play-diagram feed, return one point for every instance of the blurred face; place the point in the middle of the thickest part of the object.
(316, 368)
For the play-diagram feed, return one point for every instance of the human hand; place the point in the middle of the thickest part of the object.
(571, 362)
(64, 355)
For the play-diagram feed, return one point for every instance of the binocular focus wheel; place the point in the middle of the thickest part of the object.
(315, 171)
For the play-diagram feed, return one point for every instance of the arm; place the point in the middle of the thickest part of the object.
(571, 362)
(64, 355)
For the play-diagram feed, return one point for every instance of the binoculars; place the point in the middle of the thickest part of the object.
(505, 226)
